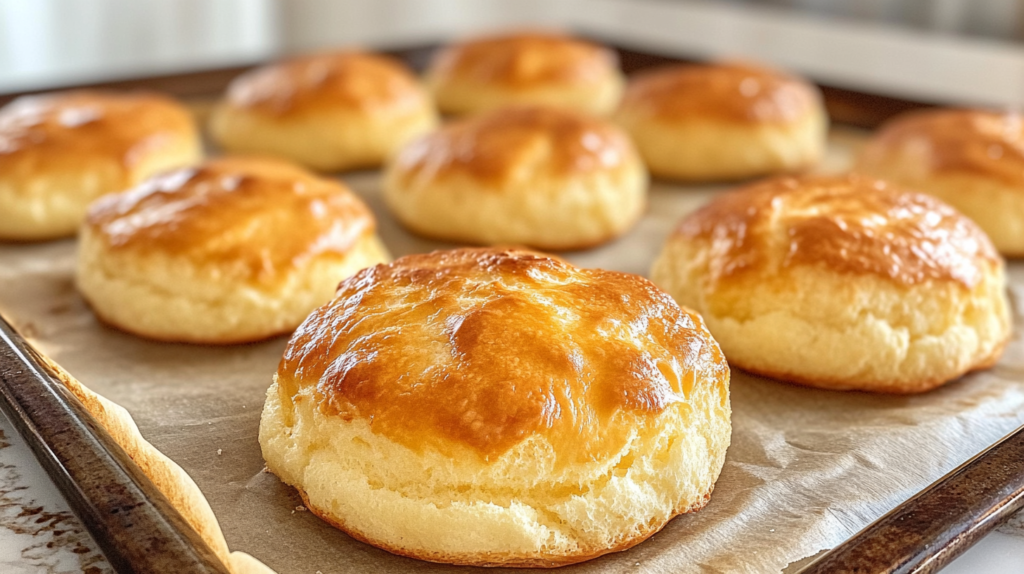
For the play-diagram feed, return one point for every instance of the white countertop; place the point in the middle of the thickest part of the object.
(38, 533)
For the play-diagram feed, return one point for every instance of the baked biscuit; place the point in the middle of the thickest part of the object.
(971, 159)
(545, 177)
(235, 250)
(60, 151)
(497, 408)
(841, 283)
(723, 121)
(542, 68)
(330, 112)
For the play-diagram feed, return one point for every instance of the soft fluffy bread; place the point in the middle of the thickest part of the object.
(60, 151)
(723, 121)
(330, 112)
(490, 407)
(841, 283)
(544, 177)
(543, 68)
(236, 250)
(971, 159)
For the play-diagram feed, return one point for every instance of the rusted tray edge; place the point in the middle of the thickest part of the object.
(933, 527)
(133, 523)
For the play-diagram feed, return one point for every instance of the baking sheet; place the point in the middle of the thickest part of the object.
(806, 469)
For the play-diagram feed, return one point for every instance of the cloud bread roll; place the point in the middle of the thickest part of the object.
(544, 68)
(971, 159)
(498, 408)
(235, 250)
(545, 177)
(60, 151)
(841, 283)
(723, 121)
(330, 112)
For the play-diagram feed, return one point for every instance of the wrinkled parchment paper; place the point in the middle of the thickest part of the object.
(806, 470)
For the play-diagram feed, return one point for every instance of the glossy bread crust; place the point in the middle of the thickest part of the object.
(549, 68)
(531, 413)
(358, 81)
(68, 129)
(841, 282)
(528, 175)
(259, 218)
(723, 122)
(484, 347)
(331, 112)
(231, 251)
(497, 147)
(847, 224)
(525, 60)
(985, 143)
(60, 151)
(727, 92)
(971, 159)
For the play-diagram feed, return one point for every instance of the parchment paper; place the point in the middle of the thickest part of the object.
(806, 469)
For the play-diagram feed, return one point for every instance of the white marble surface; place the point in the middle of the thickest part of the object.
(38, 534)
(1001, 552)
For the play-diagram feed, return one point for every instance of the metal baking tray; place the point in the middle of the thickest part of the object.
(139, 530)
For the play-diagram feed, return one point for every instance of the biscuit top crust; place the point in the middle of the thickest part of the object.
(54, 132)
(736, 93)
(253, 218)
(486, 348)
(515, 145)
(346, 81)
(524, 61)
(950, 140)
(847, 224)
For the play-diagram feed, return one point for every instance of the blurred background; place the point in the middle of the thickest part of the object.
(938, 51)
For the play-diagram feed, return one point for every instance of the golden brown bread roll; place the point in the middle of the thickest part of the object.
(841, 283)
(543, 68)
(545, 177)
(60, 151)
(235, 250)
(723, 121)
(494, 407)
(971, 159)
(330, 112)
